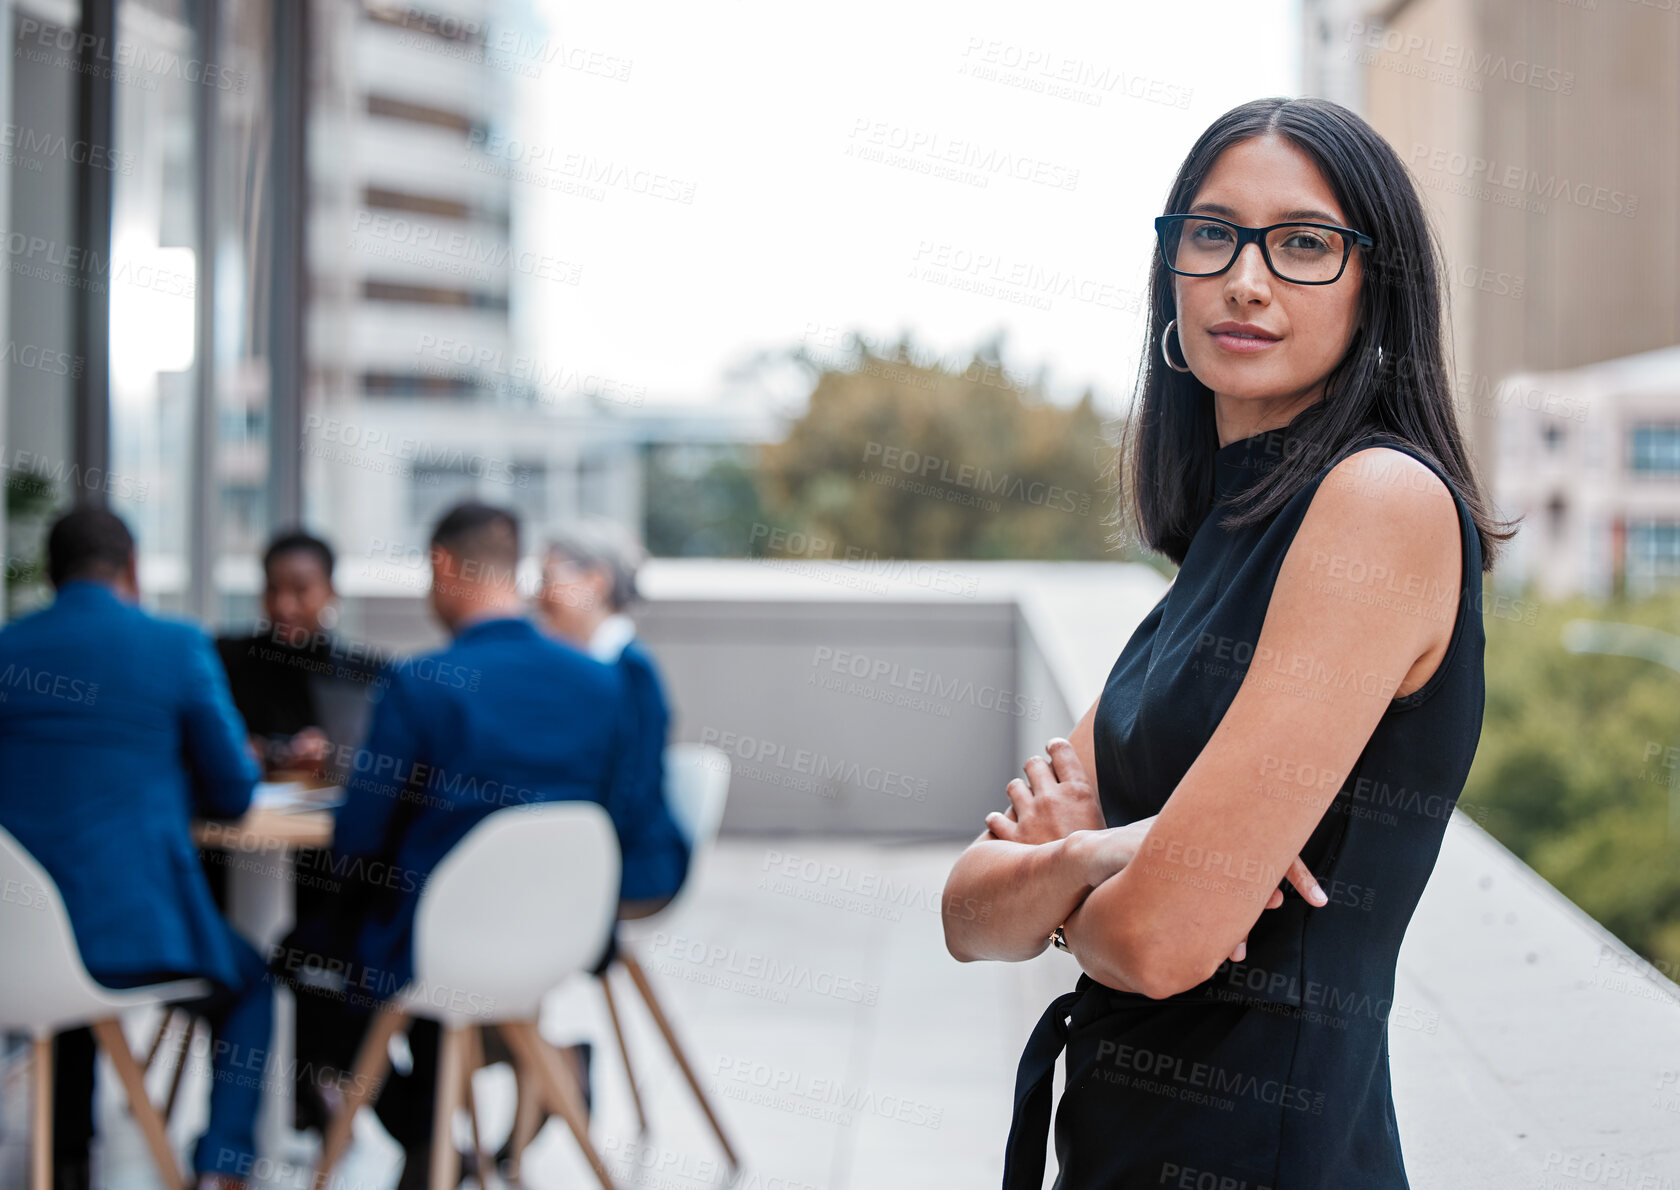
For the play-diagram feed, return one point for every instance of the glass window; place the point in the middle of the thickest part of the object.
(241, 486)
(1653, 554)
(435, 487)
(153, 293)
(413, 358)
(39, 366)
(432, 489)
(526, 490)
(1656, 448)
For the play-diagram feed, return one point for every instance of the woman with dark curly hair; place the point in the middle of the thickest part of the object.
(1290, 726)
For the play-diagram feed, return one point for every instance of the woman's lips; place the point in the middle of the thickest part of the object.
(1242, 342)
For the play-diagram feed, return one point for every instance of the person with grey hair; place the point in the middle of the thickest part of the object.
(589, 584)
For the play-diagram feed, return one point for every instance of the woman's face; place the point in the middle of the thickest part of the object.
(574, 596)
(1303, 330)
(297, 589)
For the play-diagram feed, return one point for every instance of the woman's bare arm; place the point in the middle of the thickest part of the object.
(1286, 743)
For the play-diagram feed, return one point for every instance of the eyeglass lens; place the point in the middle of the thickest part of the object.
(1299, 252)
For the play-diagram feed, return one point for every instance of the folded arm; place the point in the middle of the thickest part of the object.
(1021, 878)
(1041, 884)
(1333, 652)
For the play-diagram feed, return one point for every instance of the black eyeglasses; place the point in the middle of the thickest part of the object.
(1300, 253)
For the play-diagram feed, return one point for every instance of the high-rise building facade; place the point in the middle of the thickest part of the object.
(1545, 138)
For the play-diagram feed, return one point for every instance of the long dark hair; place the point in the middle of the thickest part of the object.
(1167, 445)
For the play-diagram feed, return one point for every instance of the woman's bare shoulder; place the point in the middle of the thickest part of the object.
(1383, 486)
(1381, 521)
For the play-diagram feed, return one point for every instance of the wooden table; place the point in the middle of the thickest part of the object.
(268, 828)
(261, 888)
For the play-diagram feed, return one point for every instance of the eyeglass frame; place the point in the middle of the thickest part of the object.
(1257, 235)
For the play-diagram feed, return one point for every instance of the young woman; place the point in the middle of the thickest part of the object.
(1303, 702)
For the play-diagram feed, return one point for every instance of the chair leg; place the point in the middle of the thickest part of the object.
(624, 1050)
(559, 1088)
(446, 1163)
(41, 1078)
(639, 978)
(474, 1060)
(180, 1066)
(372, 1063)
(530, 1105)
(527, 1112)
(162, 1032)
(109, 1034)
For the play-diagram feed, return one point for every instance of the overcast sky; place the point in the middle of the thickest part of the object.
(727, 178)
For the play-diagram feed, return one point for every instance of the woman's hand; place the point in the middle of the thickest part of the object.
(309, 746)
(1055, 800)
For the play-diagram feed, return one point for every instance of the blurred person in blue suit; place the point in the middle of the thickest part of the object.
(589, 586)
(116, 730)
(502, 716)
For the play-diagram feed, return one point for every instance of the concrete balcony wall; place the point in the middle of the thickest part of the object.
(848, 717)
(896, 699)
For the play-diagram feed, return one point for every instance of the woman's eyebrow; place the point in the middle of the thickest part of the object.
(1309, 213)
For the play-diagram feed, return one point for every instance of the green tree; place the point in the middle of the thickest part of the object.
(1578, 760)
(29, 503)
(701, 500)
(904, 457)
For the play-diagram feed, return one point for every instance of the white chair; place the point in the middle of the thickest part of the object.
(524, 901)
(47, 990)
(696, 790)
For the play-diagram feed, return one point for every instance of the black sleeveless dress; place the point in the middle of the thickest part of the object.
(1274, 1073)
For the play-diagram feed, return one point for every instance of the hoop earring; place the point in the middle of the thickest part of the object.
(1167, 355)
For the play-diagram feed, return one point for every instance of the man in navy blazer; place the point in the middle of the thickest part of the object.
(503, 716)
(116, 730)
